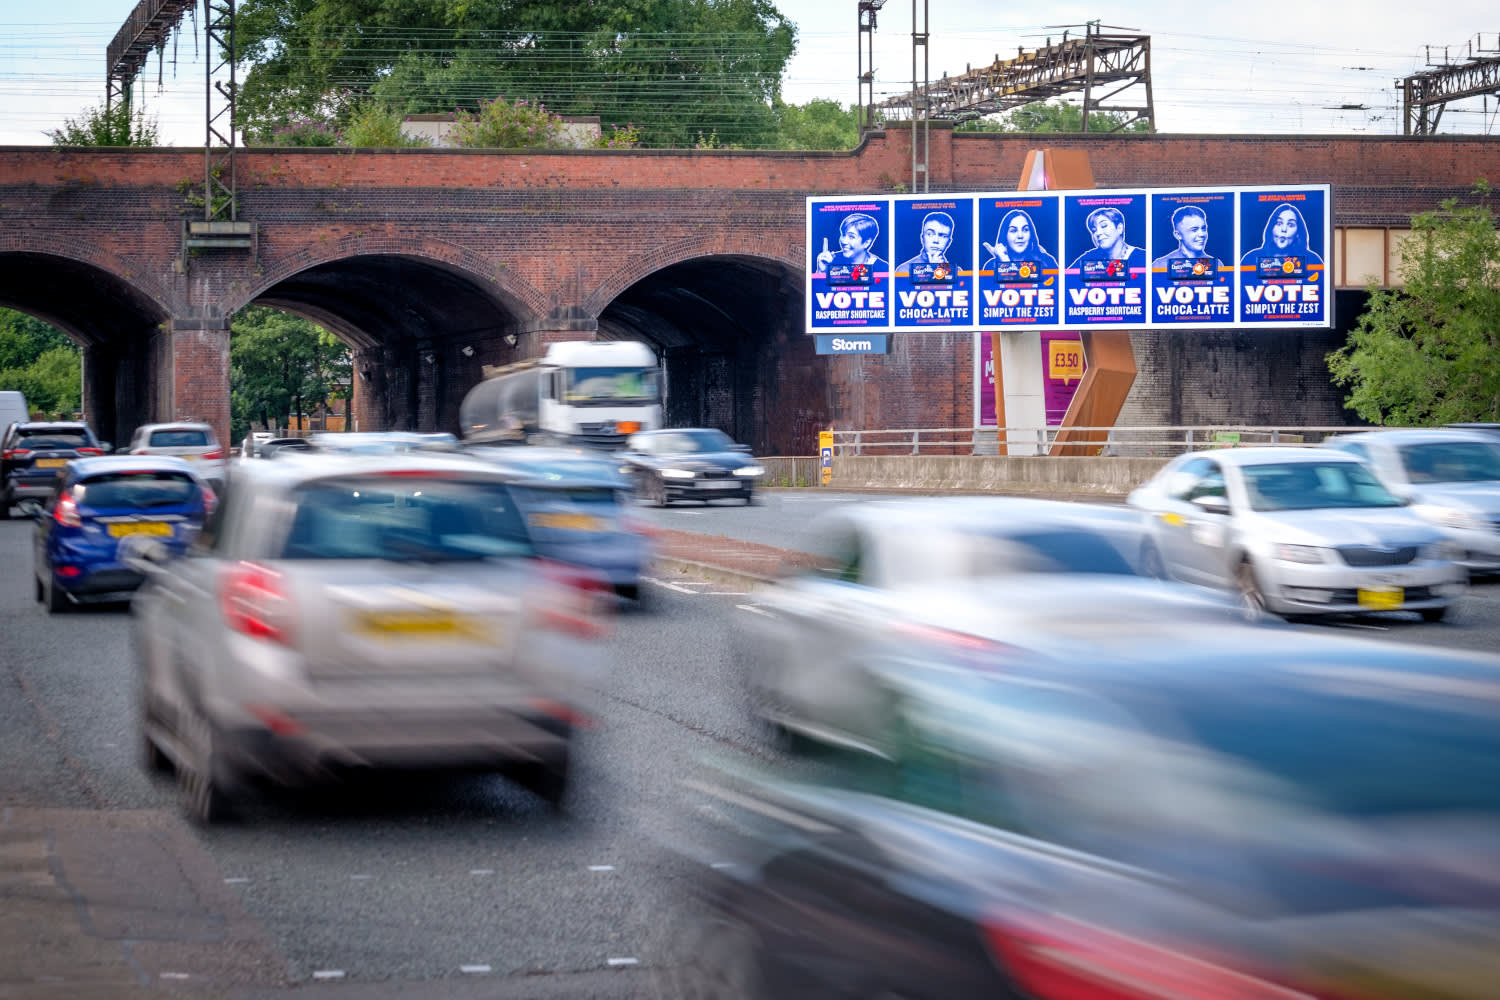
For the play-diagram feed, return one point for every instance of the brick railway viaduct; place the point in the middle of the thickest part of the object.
(433, 263)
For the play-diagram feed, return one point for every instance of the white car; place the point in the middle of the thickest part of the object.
(1297, 531)
(194, 443)
(1451, 477)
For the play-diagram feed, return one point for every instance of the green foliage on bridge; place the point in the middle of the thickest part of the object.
(41, 362)
(1052, 116)
(673, 68)
(107, 125)
(1427, 353)
(281, 365)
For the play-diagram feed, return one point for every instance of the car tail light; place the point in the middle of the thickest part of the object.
(254, 601)
(13, 453)
(89, 451)
(210, 500)
(1056, 958)
(576, 602)
(216, 453)
(66, 511)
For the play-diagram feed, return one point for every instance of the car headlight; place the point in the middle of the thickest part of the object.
(1452, 517)
(749, 470)
(676, 474)
(1444, 551)
(1299, 553)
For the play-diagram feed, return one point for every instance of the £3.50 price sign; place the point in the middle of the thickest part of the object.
(1065, 360)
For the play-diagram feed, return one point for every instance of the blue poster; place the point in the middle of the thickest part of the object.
(1282, 250)
(934, 277)
(1020, 280)
(849, 272)
(1104, 238)
(1193, 265)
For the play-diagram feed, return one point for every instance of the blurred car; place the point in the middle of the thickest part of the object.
(347, 612)
(690, 464)
(250, 446)
(876, 572)
(1194, 812)
(1298, 531)
(1492, 429)
(99, 508)
(1451, 478)
(575, 504)
(33, 453)
(278, 446)
(191, 442)
(382, 442)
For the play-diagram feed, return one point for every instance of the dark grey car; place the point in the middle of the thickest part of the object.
(690, 464)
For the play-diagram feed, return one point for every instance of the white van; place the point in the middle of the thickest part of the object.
(12, 408)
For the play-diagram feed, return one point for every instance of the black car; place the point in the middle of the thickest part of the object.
(690, 464)
(280, 446)
(33, 454)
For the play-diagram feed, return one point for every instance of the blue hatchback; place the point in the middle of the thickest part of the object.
(99, 504)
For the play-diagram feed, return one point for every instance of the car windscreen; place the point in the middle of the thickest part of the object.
(1314, 486)
(178, 439)
(690, 442)
(1451, 462)
(1070, 551)
(36, 438)
(406, 518)
(136, 490)
(612, 385)
(566, 513)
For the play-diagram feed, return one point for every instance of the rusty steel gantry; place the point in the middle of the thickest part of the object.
(1092, 62)
(146, 30)
(1425, 95)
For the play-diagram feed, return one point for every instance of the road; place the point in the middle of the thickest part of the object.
(416, 887)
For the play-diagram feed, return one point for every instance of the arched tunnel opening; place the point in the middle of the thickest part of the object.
(421, 333)
(116, 326)
(729, 332)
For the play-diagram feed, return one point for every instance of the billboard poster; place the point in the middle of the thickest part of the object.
(849, 273)
(1282, 250)
(1063, 368)
(1194, 258)
(1104, 238)
(933, 280)
(1020, 282)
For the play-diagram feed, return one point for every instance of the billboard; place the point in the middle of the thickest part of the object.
(1185, 258)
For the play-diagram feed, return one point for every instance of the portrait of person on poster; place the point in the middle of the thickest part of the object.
(1285, 236)
(856, 255)
(1015, 242)
(931, 263)
(1190, 227)
(1106, 227)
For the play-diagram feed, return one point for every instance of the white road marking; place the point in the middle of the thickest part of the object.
(755, 609)
(329, 974)
(669, 586)
(361, 877)
(623, 961)
(727, 593)
(237, 880)
(474, 970)
(722, 864)
(174, 975)
(601, 868)
(481, 871)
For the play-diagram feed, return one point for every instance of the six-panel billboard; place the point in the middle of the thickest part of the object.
(1185, 258)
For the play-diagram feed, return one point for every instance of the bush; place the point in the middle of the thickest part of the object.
(306, 132)
(374, 126)
(499, 125)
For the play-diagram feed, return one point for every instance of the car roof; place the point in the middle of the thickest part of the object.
(128, 463)
(1418, 435)
(986, 513)
(1241, 457)
(299, 467)
(196, 425)
(53, 425)
(555, 468)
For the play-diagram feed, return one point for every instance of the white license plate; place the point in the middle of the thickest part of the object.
(719, 484)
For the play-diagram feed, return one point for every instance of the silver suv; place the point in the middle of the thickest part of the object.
(195, 443)
(356, 612)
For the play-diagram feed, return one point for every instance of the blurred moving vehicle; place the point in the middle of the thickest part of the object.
(13, 409)
(382, 442)
(1194, 812)
(977, 571)
(363, 611)
(99, 509)
(1450, 477)
(250, 446)
(690, 463)
(33, 453)
(581, 394)
(1298, 531)
(1491, 429)
(191, 442)
(575, 506)
(280, 446)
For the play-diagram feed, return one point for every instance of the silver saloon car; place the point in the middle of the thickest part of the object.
(362, 612)
(1451, 477)
(1298, 532)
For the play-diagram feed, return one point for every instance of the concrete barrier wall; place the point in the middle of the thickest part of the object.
(1011, 474)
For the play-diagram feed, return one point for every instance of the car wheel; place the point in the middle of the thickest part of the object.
(657, 492)
(1434, 614)
(40, 591)
(57, 601)
(1252, 598)
(1151, 562)
(547, 779)
(204, 796)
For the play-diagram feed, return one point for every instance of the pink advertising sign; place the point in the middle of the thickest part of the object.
(1063, 366)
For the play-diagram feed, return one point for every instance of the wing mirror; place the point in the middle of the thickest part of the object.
(1212, 504)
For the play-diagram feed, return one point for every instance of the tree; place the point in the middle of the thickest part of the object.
(670, 67)
(41, 362)
(281, 366)
(119, 124)
(818, 124)
(1426, 353)
(1052, 116)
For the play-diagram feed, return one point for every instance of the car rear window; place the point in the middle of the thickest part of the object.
(35, 438)
(138, 490)
(178, 439)
(1451, 462)
(406, 519)
(554, 514)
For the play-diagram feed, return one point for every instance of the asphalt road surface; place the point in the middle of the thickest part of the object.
(399, 886)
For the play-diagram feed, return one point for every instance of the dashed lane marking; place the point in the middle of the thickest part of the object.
(325, 974)
(237, 880)
(617, 962)
(601, 868)
(669, 586)
(755, 610)
(474, 970)
(481, 871)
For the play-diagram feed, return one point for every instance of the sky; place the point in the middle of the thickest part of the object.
(1275, 66)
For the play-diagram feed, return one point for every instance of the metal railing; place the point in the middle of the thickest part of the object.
(1147, 441)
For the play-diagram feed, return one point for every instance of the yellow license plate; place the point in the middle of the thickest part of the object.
(159, 528)
(416, 625)
(565, 522)
(50, 463)
(1382, 598)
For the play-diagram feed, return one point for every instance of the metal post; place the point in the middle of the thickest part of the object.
(219, 201)
(921, 112)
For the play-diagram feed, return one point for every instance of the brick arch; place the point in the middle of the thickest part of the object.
(45, 244)
(692, 248)
(518, 294)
